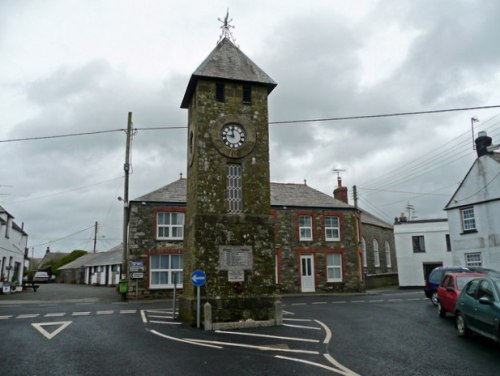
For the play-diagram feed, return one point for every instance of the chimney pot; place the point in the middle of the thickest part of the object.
(482, 143)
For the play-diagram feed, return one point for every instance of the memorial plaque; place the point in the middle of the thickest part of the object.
(235, 258)
(236, 275)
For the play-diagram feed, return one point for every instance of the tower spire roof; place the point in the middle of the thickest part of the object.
(227, 62)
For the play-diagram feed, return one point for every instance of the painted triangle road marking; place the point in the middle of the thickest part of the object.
(46, 334)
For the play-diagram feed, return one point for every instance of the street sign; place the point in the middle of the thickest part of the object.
(198, 278)
(136, 268)
(137, 275)
(136, 263)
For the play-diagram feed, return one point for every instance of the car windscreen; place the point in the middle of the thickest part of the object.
(435, 276)
(462, 281)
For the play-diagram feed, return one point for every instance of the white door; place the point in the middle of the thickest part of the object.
(307, 273)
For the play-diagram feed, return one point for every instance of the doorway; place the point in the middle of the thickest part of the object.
(307, 273)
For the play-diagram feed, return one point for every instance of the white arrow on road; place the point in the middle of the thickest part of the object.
(62, 326)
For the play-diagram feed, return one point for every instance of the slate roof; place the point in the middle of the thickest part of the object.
(293, 195)
(111, 257)
(227, 62)
(370, 219)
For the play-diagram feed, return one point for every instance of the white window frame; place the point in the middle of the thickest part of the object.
(363, 248)
(388, 261)
(234, 189)
(169, 270)
(473, 259)
(376, 254)
(468, 220)
(332, 228)
(179, 227)
(305, 229)
(334, 263)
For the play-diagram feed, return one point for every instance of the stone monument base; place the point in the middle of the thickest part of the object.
(232, 312)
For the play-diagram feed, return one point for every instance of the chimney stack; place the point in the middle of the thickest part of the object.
(482, 142)
(48, 250)
(340, 193)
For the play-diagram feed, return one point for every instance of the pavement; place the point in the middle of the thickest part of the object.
(69, 293)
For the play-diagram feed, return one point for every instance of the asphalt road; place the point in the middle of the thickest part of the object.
(84, 330)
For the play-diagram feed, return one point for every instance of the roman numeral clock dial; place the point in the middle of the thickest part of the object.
(233, 136)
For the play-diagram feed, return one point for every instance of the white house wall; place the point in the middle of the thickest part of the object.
(12, 247)
(485, 241)
(410, 264)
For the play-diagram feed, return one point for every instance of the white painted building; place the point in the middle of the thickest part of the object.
(421, 246)
(13, 243)
(474, 211)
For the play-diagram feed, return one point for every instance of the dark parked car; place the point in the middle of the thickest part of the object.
(435, 277)
(450, 288)
(478, 308)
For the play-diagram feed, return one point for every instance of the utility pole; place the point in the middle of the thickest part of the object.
(126, 168)
(95, 236)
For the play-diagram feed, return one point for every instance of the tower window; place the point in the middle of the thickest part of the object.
(234, 189)
(219, 92)
(247, 94)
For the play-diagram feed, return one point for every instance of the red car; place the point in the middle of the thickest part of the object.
(449, 290)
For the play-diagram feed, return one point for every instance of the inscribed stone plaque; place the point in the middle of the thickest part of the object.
(235, 258)
(236, 275)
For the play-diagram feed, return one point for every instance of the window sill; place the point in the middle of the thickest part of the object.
(468, 232)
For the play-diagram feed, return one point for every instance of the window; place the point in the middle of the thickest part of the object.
(332, 228)
(473, 259)
(170, 225)
(376, 256)
(418, 244)
(485, 289)
(220, 93)
(334, 267)
(468, 219)
(388, 261)
(363, 247)
(305, 227)
(448, 243)
(471, 288)
(165, 269)
(247, 94)
(234, 189)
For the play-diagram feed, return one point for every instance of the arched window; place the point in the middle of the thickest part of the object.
(388, 261)
(376, 256)
(363, 248)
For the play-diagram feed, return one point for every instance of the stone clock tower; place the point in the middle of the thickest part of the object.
(229, 234)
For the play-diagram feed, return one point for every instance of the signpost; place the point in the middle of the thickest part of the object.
(198, 279)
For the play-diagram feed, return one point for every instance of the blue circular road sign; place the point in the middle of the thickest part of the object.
(198, 278)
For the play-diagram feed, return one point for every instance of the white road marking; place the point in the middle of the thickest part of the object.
(298, 304)
(288, 313)
(267, 336)
(5, 317)
(185, 341)
(104, 312)
(28, 316)
(161, 317)
(413, 299)
(303, 320)
(395, 300)
(57, 314)
(143, 315)
(302, 326)
(128, 311)
(319, 302)
(358, 301)
(328, 336)
(339, 302)
(62, 326)
(311, 364)
(263, 348)
(376, 301)
(347, 371)
(159, 310)
(80, 314)
(165, 322)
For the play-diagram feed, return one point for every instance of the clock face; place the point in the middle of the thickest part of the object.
(233, 135)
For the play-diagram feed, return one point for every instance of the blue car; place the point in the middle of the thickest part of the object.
(478, 308)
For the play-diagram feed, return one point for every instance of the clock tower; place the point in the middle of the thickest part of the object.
(229, 234)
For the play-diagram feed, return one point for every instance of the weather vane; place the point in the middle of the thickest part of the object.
(226, 29)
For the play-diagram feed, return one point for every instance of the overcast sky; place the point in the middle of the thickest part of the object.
(80, 66)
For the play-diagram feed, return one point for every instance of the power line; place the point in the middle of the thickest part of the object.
(356, 117)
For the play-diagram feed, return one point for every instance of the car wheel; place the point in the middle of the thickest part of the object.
(441, 311)
(462, 329)
(434, 298)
